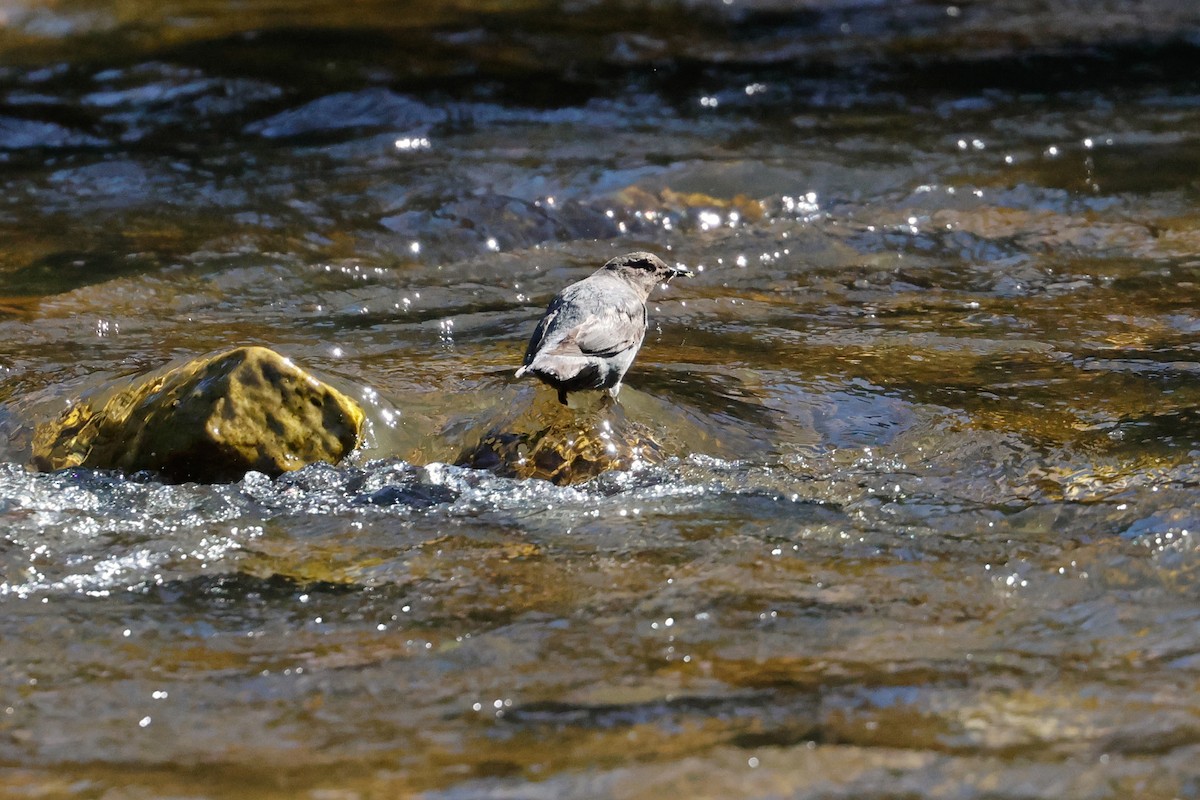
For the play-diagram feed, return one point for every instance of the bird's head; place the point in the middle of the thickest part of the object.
(645, 269)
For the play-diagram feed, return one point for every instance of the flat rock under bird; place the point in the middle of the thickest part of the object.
(592, 329)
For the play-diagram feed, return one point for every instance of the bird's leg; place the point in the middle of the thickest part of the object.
(615, 390)
(562, 396)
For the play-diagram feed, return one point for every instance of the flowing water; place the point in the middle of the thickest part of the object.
(924, 518)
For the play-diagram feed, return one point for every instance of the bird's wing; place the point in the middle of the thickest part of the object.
(601, 332)
(605, 334)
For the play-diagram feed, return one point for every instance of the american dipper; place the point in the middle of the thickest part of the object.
(592, 329)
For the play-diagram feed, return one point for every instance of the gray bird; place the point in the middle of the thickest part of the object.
(592, 329)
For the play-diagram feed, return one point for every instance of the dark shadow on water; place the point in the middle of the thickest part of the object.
(66, 270)
(236, 589)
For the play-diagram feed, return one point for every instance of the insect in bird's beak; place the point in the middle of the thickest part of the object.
(680, 271)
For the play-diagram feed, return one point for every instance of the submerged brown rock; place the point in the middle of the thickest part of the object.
(549, 442)
(210, 420)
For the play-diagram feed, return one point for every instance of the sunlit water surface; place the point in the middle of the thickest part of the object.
(923, 520)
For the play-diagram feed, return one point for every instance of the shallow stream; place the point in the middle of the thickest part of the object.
(924, 518)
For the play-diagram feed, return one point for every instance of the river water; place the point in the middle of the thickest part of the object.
(922, 521)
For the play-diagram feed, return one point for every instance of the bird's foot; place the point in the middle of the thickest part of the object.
(609, 399)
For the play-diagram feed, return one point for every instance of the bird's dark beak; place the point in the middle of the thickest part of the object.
(680, 271)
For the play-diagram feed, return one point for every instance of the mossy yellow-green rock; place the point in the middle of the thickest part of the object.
(210, 420)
